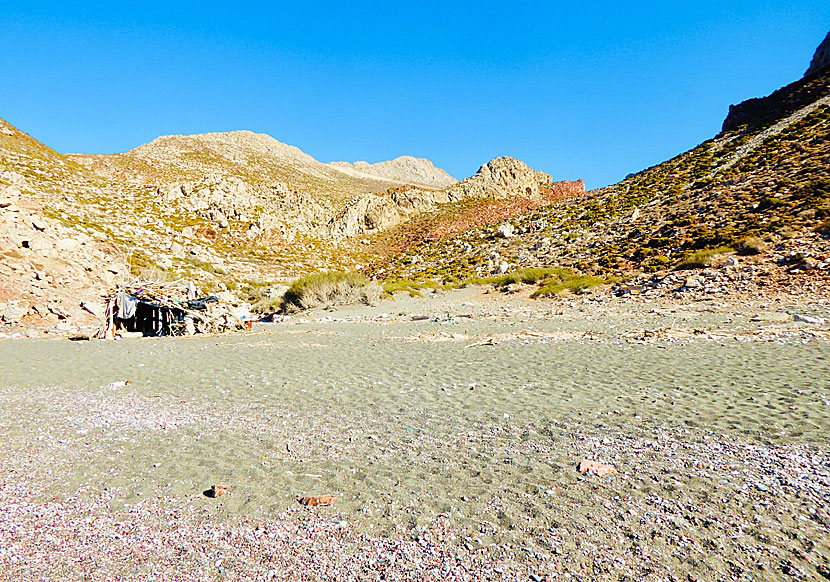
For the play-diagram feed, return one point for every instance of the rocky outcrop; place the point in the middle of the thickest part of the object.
(503, 178)
(406, 170)
(761, 111)
(821, 59)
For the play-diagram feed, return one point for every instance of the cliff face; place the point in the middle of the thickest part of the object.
(763, 110)
(821, 60)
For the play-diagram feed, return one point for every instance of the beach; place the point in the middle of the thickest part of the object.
(450, 429)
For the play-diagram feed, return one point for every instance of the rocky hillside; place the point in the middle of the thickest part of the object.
(760, 189)
(236, 212)
(51, 271)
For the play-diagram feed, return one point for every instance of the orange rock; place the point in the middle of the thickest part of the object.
(321, 501)
(587, 466)
(217, 491)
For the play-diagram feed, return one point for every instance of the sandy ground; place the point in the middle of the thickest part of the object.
(450, 429)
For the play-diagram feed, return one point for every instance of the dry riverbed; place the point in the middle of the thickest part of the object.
(449, 428)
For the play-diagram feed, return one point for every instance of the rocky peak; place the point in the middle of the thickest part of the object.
(821, 59)
(787, 100)
(504, 178)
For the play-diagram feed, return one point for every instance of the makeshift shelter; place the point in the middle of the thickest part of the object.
(164, 309)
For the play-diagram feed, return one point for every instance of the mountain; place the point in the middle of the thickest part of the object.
(404, 170)
(232, 210)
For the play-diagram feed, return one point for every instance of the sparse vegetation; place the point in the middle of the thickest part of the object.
(531, 276)
(574, 283)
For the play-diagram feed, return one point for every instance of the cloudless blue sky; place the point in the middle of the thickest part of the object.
(590, 90)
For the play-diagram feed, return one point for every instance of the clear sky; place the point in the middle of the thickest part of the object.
(590, 90)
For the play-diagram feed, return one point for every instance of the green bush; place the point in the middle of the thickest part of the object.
(574, 284)
(702, 258)
(329, 289)
(530, 276)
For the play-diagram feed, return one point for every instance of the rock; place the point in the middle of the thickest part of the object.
(9, 196)
(503, 268)
(216, 491)
(595, 468)
(505, 230)
(38, 243)
(808, 319)
(38, 223)
(320, 501)
(502, 178)
(693, 283)
(171, 192)
(96, 308)
(177, 250)
(14, 312)
(732, 262)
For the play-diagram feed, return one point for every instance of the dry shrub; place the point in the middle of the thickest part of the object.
(330, 289)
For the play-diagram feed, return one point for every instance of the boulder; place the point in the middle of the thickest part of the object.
(9, 196)
(505, 230)
(96, 308)
(38, 243)
(15, 311)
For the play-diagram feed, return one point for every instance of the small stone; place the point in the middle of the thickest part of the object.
(808, 319)
(692, 283)
(319, 501)
(596, 468)
(216, 491)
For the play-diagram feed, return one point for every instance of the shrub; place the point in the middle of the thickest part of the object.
(329, 289)
(530, 276)
(768, 203)
(410, 287)
(574, 284)
(702, 258)
(749, 245)
(824, 228)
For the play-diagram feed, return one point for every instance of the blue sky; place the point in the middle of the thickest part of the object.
(590, 90)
